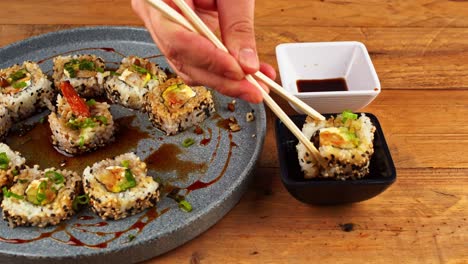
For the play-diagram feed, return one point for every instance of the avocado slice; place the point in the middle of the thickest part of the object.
(41, 192)
(117, 179)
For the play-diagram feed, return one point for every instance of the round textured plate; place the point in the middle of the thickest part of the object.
(227, 160)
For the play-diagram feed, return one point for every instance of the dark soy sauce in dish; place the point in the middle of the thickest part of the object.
(323, 85)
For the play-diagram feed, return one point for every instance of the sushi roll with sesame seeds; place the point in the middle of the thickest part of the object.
(174, 106)
(78, 126)
(345, 143)
(5, 121)
(24, 90)
(120, 187)
(84, 72)
(132, 80)
(40, 198)
(11, 163)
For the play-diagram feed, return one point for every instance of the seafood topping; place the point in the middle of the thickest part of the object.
(76, 103)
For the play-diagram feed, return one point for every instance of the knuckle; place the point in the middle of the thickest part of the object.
(244, 26)
(210, 65)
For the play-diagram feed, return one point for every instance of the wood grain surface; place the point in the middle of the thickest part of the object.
(420, 51)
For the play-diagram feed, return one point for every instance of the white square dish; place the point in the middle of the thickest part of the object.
(329, 60)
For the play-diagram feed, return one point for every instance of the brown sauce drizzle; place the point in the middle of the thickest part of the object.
(206, 140)
(154, 56)
(200, 184)
(99, 224)
(38, 140)
(165, 159)
(86, 217)
(139, 225)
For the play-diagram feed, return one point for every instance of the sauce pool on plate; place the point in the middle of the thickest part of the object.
(323, 85)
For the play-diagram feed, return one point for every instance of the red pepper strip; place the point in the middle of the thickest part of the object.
(76, 103)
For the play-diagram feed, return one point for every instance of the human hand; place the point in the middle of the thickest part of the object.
(196, 60)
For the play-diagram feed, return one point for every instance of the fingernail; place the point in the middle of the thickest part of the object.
(248, 58)
(233, 75)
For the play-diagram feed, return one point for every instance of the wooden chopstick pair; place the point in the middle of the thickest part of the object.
(195, 24)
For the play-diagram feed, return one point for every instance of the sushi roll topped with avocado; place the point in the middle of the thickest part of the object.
(80, 126)
(11, 163)
(132, 80)
(84, 72)
(40, 198)
(120, 187)
(345, 142)
(174, 106)
(24, 90)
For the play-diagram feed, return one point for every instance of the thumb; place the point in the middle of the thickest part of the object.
(236, 19)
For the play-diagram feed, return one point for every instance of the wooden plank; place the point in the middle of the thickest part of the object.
(420, 219)
(86, 12)
(323, 13)
(423, 128)
(355, 13)
(14, 33)
(406, 58)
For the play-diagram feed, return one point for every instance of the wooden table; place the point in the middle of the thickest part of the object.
(420, 51)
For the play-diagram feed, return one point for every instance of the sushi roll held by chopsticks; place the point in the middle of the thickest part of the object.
(78, 126)
(174, 106)
(345, 142)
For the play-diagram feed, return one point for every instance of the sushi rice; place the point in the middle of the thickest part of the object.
(132, 80)
(345, 142)
(5, 121)
(24, 90)
(23, 206)
(120, 187)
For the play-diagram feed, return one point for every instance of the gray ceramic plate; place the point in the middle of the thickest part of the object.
(87, 238)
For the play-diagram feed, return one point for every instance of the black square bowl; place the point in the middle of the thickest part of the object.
(327, 191)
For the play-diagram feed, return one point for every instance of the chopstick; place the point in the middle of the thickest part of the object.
(199, 27)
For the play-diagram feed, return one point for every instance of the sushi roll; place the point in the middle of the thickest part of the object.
(134, 78)
(175, 106)
(345, 142)
(119, 187)
(11, 164)
(84, 72)
(5, 121)
(41, 198)
(24, 89)
(78, 126)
